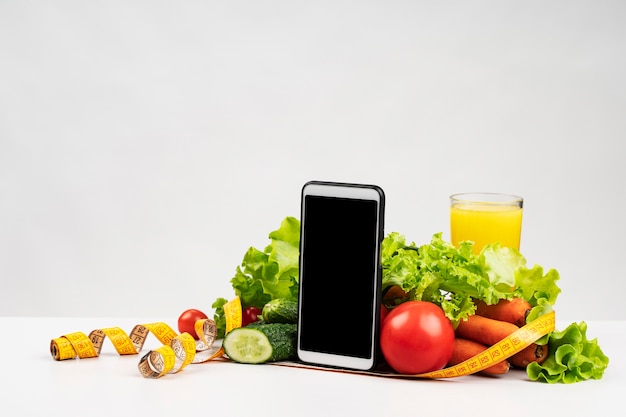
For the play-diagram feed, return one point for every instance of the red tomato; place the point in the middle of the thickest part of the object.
(417, 337)
(250, 315)
(188, 319)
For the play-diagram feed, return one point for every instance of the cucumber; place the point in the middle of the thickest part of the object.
(260, 343)
(280, 310)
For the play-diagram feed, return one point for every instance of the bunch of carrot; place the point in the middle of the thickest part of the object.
(489, 325)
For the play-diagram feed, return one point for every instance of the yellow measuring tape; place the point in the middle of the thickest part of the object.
(505, 348)
(178, 351)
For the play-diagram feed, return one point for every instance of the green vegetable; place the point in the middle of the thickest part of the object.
(572, 358)
(268, 274)
(273, 272)
(280, 310)
(219, 316)
(438, 272)
(260, 343)
(453, 277)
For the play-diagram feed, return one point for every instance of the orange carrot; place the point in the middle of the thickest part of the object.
(490, 331)
(394, 295)
(465, 349)
(512, 311)
(484, 330)
(533, 353)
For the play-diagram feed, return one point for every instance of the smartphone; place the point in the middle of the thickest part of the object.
(339, 297)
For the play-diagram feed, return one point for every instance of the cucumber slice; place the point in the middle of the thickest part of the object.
(261, 343)
(247, 345)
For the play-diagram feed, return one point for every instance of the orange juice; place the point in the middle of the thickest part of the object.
(486, 222)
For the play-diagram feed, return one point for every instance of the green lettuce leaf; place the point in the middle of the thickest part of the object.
(219, 316)
(454, 277)
(500, 264)
(268, 274)
(539, 289)
(438, 272)
(573, 358)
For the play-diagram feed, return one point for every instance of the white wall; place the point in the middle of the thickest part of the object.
(145, 145)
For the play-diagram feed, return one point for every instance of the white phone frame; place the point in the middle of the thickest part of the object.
(350, 191)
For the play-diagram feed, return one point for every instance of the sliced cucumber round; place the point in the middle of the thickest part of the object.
(247, 345)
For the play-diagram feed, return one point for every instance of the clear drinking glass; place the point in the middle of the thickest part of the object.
(486, 218)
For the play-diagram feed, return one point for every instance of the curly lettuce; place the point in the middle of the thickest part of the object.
(573, 358)
(454, 277)
(266, 274)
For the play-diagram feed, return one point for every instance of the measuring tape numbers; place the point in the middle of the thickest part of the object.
(505, 348)
(177, 350)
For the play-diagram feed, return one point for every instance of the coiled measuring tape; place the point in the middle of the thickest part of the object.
(178, 350)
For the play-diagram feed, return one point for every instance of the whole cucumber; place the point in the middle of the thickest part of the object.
(280, 310)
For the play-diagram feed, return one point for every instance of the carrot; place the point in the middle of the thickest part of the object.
(512, 311)
(394, 295)
(532, 353)
(484, 330)
(490, 331)
(465, 349)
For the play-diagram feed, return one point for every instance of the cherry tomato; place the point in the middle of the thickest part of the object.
(187, 321)
(250, 315)
(417, 337)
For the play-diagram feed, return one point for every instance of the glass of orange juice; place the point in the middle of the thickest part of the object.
(486, 218)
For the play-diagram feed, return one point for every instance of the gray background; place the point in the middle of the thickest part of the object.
(144, 146)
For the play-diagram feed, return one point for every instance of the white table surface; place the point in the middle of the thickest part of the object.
(34, 384)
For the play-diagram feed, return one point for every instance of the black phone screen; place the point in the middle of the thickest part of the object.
(339, 262)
